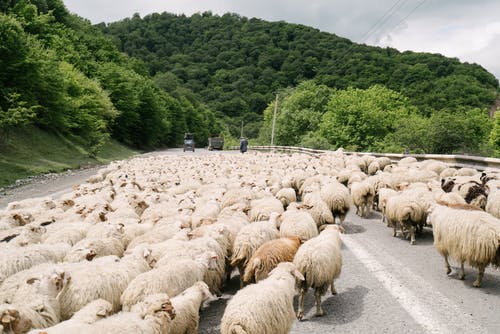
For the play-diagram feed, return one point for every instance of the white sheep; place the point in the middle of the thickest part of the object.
(152, 316)
(172, 279)
(466, 235)
(286, 196)
(295, 222)
(318, 209)
(187, 306)
(338, 199)
(383, 196)
(249, 239)
(92, 312)
(106, 280)
(35, 304)
(89, 248)
(362, 196)
(15, 259)
(319, 260)
(493, 203)
(265, 307)
(261, 209)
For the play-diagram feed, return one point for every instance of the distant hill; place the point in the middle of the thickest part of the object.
(233, 63)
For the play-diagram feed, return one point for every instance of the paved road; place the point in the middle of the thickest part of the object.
(386, 285)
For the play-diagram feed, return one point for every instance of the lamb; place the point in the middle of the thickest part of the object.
(265, 307)
(92, 312)
(466, 235)
(362, 196)
(295, 222)
(35, 304)
(319, 260)
(15, 259)
(172, 279)
(268, 256)
(337, 197)
(249, 239)
(153, 316)
(91, 281)
(187, 306)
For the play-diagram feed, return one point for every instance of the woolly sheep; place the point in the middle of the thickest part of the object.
(261, 209)
(153, 316)
(171, 279)
(265, 307)
(15, 259)
(362, 196)
(286, 196)
(295, 222)
(187, 306)
(35, 304)
(249, 239)
(92, 312)
(466, 235)
(383, 196)
(337, 197)
(91, 281)
(318, 209)
(493, 203)
(89, 248)
(319, 260)
(268, 256)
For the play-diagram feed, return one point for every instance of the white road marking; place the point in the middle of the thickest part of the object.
(427, 308)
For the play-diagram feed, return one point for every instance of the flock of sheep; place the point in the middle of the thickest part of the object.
(146, 243)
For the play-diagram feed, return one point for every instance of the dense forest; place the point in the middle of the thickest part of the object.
(235, 65)
(60, 73)
(147, 81)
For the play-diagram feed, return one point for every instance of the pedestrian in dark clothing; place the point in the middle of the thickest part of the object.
(243, 145)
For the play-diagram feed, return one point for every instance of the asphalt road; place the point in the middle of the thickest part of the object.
(386, 285)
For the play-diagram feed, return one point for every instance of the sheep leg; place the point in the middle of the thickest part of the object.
(447, 264)
(334, 291)
(462, 272)
(319, 310)
(477, 282)
(302, 293)
(412, 235)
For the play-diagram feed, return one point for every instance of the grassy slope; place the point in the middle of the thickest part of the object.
(31, 151)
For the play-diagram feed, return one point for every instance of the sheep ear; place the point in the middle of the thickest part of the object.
(298, 275)
(32, 280)
(146, 252)
(101, 313)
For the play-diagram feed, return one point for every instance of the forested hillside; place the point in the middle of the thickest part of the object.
(234, 64)
(61, 74)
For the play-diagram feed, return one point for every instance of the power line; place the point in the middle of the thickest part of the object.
(407, 16)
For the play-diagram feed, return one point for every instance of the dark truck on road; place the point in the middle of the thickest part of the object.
(215, 142)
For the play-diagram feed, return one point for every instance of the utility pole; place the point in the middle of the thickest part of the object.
(241, 135)
(274, 119)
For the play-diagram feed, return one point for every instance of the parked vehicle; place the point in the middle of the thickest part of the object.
(188, 142)
(215, 143)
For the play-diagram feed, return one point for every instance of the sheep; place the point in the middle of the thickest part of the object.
(209, 209)
(172, 279)
(160, 232)
(493, 203)
(362, 196)
(249, 239)
(187, 306)
(466, 235)
(69, 233)
(319, 260)
(89, 248)
(286, 196)
(295, 222)
(92, 312)
(152, 316)
(35, 304)
(15, 259)
(318, 209)
(383, 196)
(267, 257)
(265, 307)
(261, 209)
(337, 197)
(91, 281)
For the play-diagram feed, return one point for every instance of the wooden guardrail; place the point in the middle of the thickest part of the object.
(452, 160)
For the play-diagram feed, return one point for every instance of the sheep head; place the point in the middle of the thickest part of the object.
(10, 319)
(157, 305)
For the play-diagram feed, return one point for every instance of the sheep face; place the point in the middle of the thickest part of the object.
(12, 322)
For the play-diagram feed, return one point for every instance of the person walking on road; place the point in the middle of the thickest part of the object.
(243, 145)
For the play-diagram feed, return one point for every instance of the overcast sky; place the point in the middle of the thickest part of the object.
(466, 29)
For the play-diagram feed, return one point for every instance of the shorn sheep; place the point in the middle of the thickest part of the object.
(319, 260)
(466, 235)
(265, 307)
(267, 257)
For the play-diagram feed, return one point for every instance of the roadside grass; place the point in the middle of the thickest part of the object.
(32, 151)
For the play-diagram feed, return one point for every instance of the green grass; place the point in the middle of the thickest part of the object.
(31, 151)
